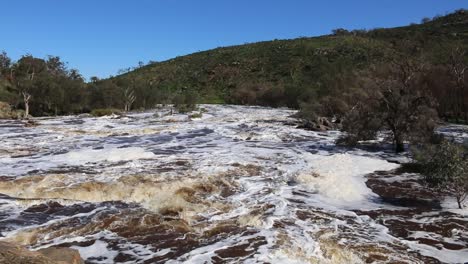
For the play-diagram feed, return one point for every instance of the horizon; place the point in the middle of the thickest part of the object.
(95, 39)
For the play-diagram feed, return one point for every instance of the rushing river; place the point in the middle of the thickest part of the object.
(238, 185)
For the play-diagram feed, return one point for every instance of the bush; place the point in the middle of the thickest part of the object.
(445, 168)
(5, 110)
(105, 111)
(185, 108)
(7, 113)
(17, 114)
(196, 115)
(308, 111)
(186, 102)
(348, 140)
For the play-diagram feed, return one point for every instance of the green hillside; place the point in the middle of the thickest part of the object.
(281, 72)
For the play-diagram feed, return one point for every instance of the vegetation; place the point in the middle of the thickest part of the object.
(312, 73)
(185, 102)
(319, 75)
(196, 115)
(391, 97)
(41, 86)
(445, 167)
(105, 111)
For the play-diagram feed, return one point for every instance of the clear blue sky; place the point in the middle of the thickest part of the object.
(101, 36)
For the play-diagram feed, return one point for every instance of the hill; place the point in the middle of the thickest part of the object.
(284, 72)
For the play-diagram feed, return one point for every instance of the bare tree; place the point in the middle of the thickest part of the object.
(129, 98)
(24, 84)
(26, 98)
(457, 68)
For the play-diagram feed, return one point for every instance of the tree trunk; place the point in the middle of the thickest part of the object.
(399, 145)
(26, 98)
(459, 202)
(26, 109)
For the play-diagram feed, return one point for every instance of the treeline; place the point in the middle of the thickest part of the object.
(44, 87)
(41, 86)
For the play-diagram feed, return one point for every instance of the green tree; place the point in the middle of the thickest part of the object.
(26, 71)
(5, 63)
(445, 168)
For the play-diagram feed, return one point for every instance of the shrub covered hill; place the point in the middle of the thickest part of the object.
(297, 73)
(287, 72)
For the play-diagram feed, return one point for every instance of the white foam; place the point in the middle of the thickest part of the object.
(340, 176)
(84, 156)
(443, 255)
(450, 204)
(97, 250)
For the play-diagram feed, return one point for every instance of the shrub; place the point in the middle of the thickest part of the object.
(5, 110)
(308, 111)
(348, 140)
(185, 108)
(445, 168)
(196, 115)
(186, 102)
(17, 114)
(105, 111)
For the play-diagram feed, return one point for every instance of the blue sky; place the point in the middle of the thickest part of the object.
(99, 37)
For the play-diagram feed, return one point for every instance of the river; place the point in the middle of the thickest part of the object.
(240, 184)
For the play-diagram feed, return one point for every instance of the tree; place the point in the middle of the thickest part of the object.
(106, 94)
(425, 20)
(457, 69)
(94, 79)
(129, 98)
(5, 63)
(445, 168)
(340, 32)
(393, 98)
(25, 72)
(55, 66)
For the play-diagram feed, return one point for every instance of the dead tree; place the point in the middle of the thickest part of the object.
(129, 98)
(26, 98)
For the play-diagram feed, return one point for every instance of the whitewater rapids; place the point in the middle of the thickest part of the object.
(239, 184)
